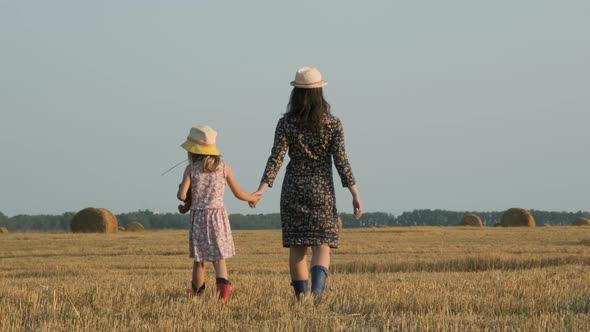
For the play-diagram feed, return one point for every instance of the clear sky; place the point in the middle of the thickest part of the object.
(460, 105)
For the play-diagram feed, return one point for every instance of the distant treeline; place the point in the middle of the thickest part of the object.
(152, 220)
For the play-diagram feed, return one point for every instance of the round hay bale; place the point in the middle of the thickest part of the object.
(135, 226)
(516, 217)
(582, 221)
(3, 230)
(94, 220)
(471, 220)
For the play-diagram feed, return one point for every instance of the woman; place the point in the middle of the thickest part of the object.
(309, 218)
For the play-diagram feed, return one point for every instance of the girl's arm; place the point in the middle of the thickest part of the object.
(236, 190)
(183, 186)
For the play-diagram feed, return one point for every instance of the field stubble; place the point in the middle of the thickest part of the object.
(410, 278)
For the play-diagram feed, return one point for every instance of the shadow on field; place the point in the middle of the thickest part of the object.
(466, 264)
(584, 242)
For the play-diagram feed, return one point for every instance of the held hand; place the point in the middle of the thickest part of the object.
(259, 192)
(357, 207)
(261, 189)
(257, 196)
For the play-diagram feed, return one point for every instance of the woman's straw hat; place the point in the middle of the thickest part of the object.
(201, 140)
(308, 78)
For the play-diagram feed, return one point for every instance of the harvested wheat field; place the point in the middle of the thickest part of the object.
(382, 279)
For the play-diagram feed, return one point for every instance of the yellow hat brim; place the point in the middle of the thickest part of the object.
(200, 149)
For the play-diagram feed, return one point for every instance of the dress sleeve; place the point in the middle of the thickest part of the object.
(277, 154)
(339, 156)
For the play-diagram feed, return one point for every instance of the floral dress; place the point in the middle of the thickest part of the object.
(308, 204)
(210, 236)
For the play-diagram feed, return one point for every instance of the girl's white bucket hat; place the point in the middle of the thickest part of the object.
(308, 78)
(201, 140)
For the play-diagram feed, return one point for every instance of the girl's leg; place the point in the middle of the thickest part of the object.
(320, 262)
(220, 269)
(298, 269)
(223, 284)
(198, 282)
(198, 274)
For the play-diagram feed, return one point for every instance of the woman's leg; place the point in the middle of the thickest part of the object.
(320, 256)
(297, 262)
(320, 262)
(298, 269)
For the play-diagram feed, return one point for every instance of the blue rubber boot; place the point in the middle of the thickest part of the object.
(300, 287)
(319, 274)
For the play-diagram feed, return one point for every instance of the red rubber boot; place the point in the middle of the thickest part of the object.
(224, 289)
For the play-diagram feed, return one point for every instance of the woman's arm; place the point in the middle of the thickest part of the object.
(183, 186)
(339, 155)
(236, 190)
(277, 154)
(344, 170)
(275, 161)
(261, 188)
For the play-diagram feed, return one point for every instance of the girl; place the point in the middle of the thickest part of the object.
(210, 237)
(309, 218)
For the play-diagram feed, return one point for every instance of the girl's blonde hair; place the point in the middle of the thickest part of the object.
(210, 163)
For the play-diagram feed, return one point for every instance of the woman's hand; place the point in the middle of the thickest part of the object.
(357, 207)
(257, 197)
(261, 189)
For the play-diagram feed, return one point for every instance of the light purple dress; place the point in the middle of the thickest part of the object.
(210, 236)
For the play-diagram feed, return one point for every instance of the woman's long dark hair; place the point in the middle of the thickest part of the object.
(308, 106)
